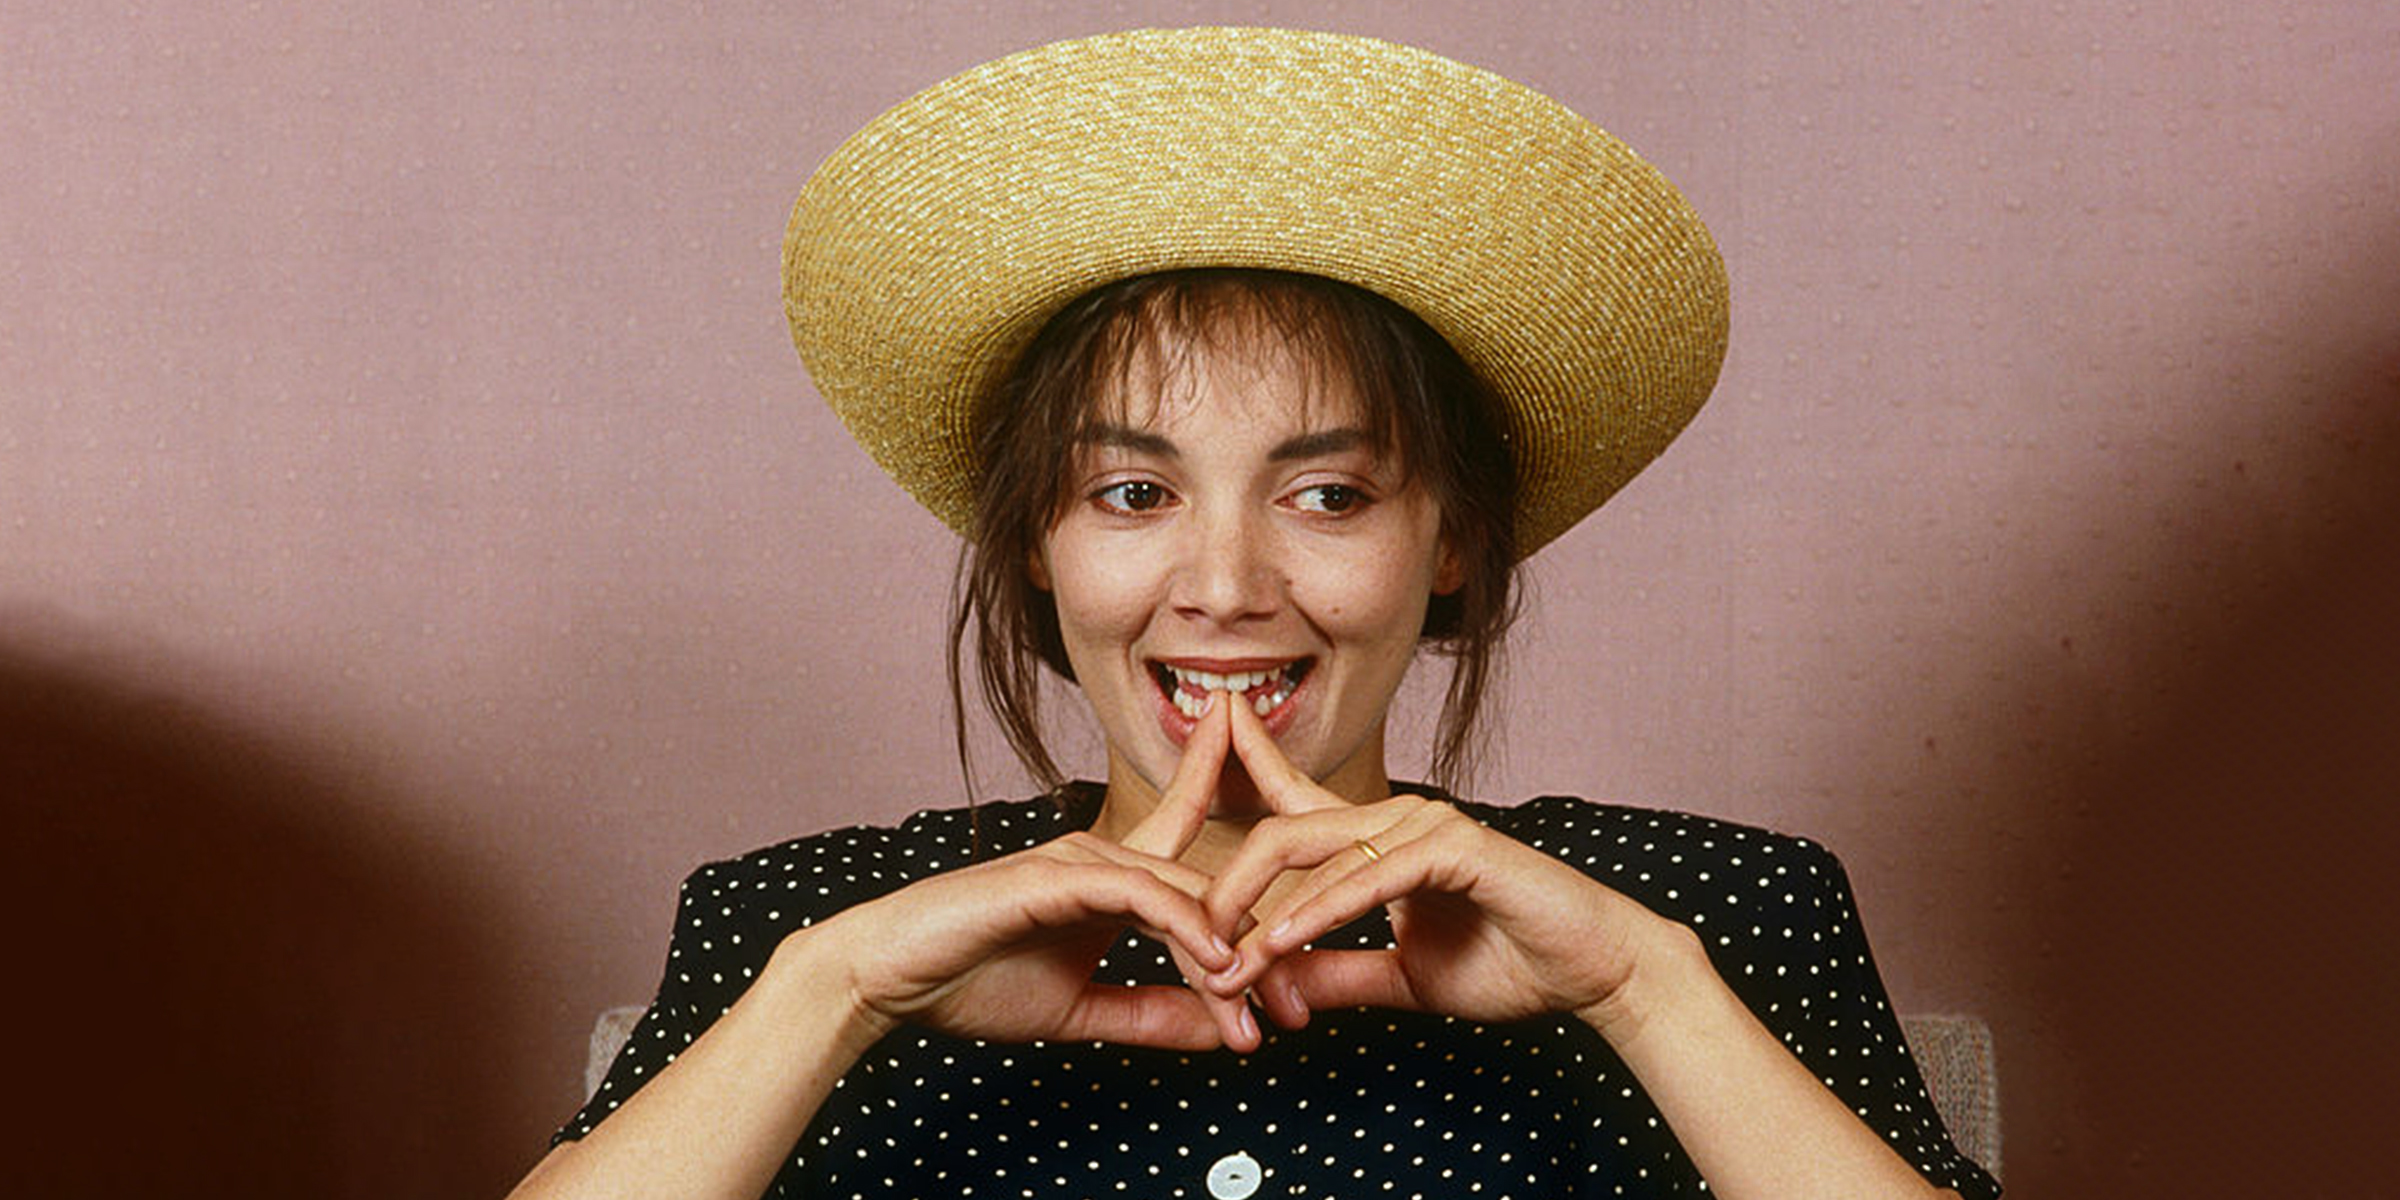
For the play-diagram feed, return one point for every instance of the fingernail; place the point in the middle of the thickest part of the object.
(1221, 979)
(1218, 944)
(1282, 928)
(1249, 1024)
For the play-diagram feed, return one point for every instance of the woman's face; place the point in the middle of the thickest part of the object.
(1236, 527)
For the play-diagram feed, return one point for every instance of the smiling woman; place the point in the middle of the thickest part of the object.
(1187, 332)
(1387, 377)
(1244, 513)
(1270, 542)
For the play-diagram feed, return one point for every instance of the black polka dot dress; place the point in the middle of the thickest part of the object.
(1364, 1103)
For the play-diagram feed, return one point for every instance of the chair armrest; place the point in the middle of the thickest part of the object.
(1954, 1052)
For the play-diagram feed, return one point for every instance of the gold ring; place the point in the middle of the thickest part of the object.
(1368, 848)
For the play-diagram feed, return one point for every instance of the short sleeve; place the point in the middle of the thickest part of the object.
(731, 915)
(714, 953)
(1798, 957)
(1782, 929)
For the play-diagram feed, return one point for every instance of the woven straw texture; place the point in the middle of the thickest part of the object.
(931, 246)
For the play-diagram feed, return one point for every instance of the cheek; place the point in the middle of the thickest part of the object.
(1096, 598)
(1377, 599)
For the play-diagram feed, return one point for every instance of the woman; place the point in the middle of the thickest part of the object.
(1252, 362)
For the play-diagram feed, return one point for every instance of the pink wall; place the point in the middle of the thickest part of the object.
(418, 544)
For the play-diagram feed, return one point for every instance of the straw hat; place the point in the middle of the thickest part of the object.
(926, 253)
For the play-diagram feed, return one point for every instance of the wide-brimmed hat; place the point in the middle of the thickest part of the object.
(931, 247)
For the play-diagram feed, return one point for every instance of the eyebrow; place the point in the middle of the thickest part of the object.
(1126, 437)
(1307, 445)
(1319, 444)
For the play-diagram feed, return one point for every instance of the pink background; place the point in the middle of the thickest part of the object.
(419, 545)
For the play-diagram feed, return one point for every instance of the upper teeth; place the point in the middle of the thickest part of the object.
(1192, 688)
(1210, 681)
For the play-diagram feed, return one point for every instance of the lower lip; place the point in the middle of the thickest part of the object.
(1179, 727)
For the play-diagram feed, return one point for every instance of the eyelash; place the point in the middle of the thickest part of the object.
(1334, 499)
(1113, 497)
(1352, 498)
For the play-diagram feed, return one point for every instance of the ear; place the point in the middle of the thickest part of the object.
(1037, 570)
(1449, 568)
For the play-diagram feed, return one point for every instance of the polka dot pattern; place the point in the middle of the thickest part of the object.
(1361, 1103)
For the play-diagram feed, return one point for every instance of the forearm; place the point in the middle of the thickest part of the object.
(718, 1122)
(1756, 1123)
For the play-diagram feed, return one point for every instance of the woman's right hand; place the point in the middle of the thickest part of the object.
(1004, 950)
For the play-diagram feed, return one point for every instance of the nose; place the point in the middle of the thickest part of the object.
(1227, 572)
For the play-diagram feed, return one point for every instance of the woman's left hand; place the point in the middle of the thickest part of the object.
(1485, 927)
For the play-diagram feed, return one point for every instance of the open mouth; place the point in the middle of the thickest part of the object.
(1264, 690)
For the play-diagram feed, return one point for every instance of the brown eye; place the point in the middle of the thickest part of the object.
(1330, 498)
(1138, 495)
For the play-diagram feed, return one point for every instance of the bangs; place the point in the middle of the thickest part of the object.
(1133, 364)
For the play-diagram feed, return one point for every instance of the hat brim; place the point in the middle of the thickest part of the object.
(1567, 271)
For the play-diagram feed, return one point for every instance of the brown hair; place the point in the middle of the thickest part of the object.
(1422, 404)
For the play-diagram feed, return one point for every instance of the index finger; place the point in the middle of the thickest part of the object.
(1169, 828)
(1285, 787)
(1292, 844)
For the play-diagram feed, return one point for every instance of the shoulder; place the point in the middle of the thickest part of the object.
(794, 882)
(1683, 865)
(1617, 832)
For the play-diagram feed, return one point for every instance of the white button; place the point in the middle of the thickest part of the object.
(1233, 1177)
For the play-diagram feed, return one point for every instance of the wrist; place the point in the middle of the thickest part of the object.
(814, 982)
(1668, 974)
